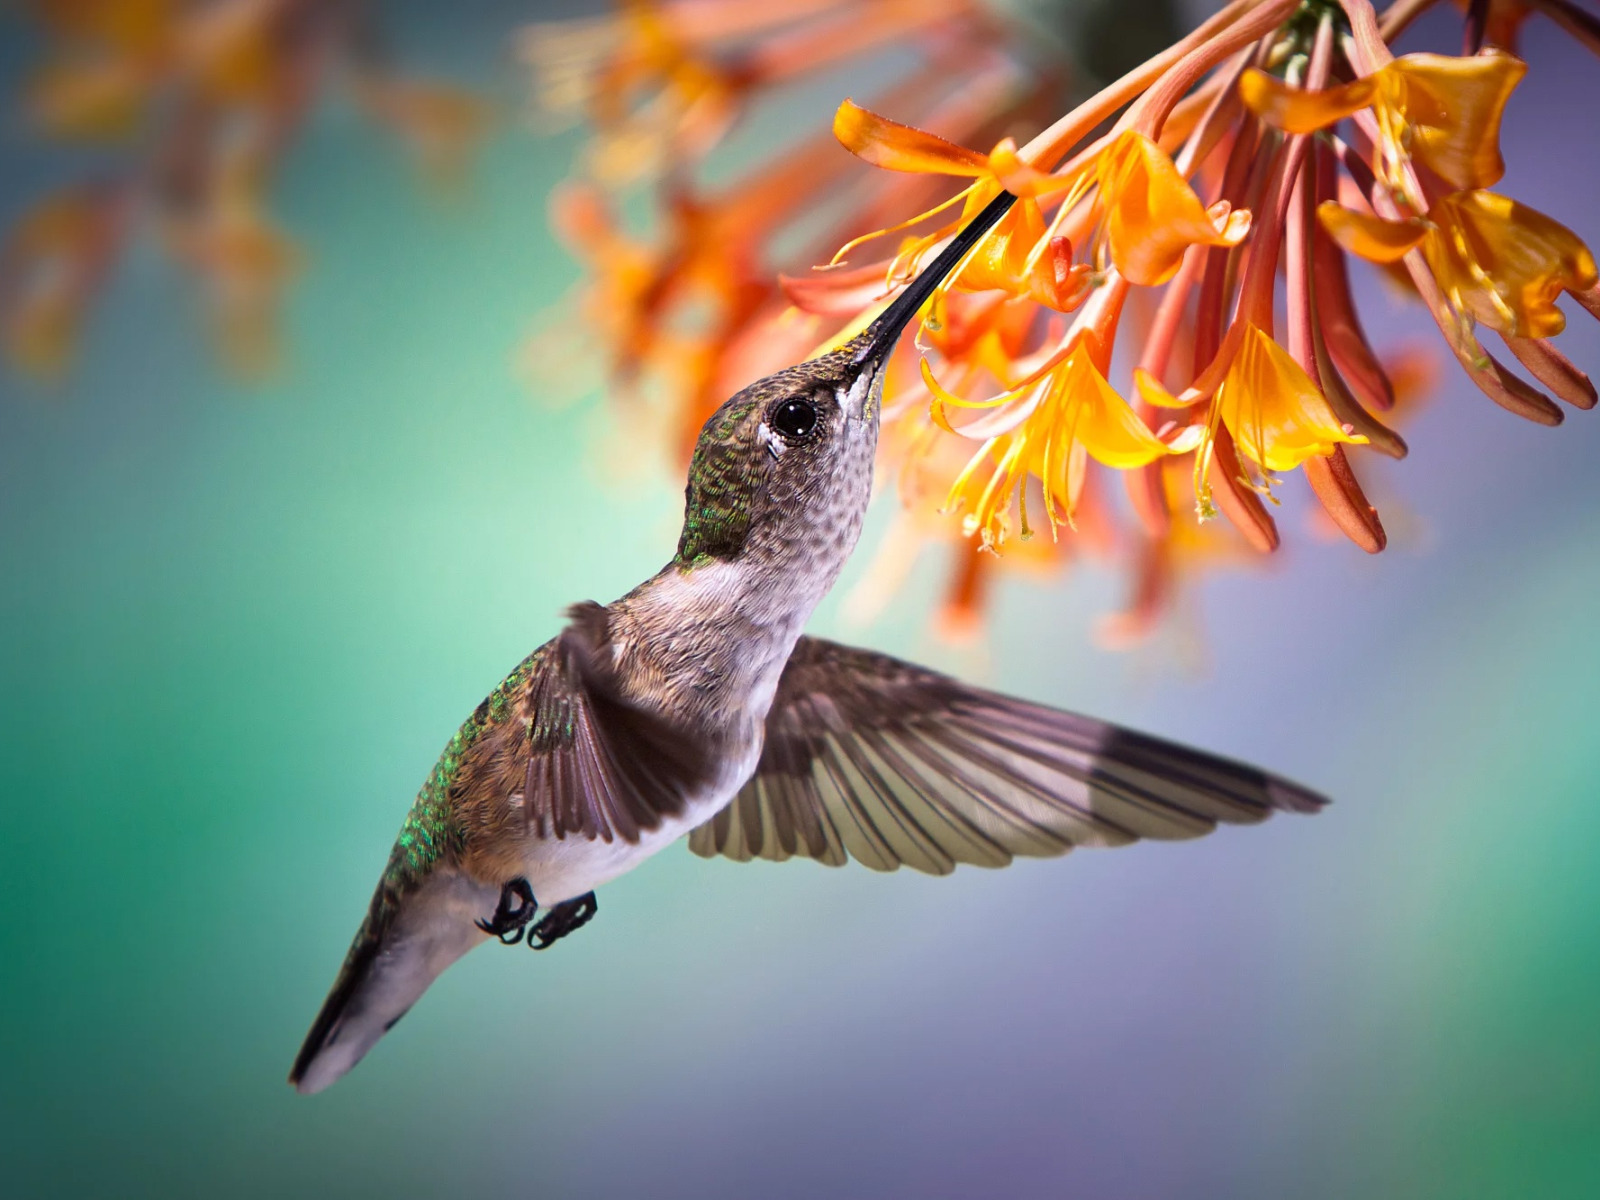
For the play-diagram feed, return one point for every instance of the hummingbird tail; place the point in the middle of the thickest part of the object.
(403, 945)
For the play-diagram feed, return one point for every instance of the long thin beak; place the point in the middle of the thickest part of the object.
(878, 340)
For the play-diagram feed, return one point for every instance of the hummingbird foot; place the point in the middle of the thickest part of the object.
(512, 914)
(567, 917)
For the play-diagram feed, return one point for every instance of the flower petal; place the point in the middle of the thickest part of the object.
(1000, 260)
(1019, 177)
(897, 147)
(1504, 263)
(1295, 110)
(1054, 280)
(1152, 393)
(1370, 237)
(1453, 107)
(943, 396)
(1107, 426)
(1152, 215)
(1277, 416)
(837, 293)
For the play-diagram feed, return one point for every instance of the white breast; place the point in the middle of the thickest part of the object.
(767, 627)
(565, 868)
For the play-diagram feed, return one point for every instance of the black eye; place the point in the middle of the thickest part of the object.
(794, 418)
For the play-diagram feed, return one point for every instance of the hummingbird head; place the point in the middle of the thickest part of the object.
(782, 471)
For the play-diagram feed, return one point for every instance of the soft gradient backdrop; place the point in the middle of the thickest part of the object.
(237, 625)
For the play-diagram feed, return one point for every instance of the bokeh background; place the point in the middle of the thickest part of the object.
(237, 623)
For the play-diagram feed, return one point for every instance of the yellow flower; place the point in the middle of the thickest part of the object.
(1076, 415)
(1019, 256)
(1500, 263)
(1278, 417)
(1441, 110)
(1152, 216)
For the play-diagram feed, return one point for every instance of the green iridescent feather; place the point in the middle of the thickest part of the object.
(717, 515)
(429, 829)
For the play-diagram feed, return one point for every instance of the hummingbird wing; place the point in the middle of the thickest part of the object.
(875, 759)
(565, 755)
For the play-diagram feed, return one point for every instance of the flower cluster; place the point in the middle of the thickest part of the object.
(695, 306)
(189, 107)
(1169, 301)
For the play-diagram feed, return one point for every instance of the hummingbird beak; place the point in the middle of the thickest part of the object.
(877, 342)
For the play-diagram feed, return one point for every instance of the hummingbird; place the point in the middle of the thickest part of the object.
(694, 705)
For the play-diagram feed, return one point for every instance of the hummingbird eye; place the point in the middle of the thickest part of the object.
(794, 418)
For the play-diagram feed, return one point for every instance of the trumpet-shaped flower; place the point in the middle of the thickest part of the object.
(1020, 255)
(1152, 216)
(1159, 211)
(215, 94)
(1442, 111)
(1499, 263)
(1074, 415)
(1277, 415)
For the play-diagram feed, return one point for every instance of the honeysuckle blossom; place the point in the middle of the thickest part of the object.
(1500, 263)
(192, 105)
(1152, 216)
(1070, 414)
(1276, 415)
(1434, 109)
(1169, 300)
(661, 83)
(1476, 257)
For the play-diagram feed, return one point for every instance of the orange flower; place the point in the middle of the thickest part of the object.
(1072, 414)
(1152, 216)
(664, 80)
(1499, 263)
(1278, 417)
(1161, 199)
(246, 262)
(50, 266)
(442, 125)
(1020, 255)
(216, 93)
(1442, 111)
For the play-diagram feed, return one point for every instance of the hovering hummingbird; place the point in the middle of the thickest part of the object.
(694, 705)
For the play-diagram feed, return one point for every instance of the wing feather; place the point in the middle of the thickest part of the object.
(557, 752)
(874, 759)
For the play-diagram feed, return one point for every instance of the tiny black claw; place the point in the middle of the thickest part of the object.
(567, 917)
(509, 923)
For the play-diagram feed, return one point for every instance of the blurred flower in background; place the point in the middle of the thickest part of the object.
(190, 106)
(1167, 313)
(1163, 331)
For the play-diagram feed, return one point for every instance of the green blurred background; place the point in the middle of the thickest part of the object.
(237, 624)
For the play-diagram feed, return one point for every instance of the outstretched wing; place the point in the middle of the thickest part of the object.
(875, 759)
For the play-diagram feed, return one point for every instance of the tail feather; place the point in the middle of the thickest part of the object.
(403, 945)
